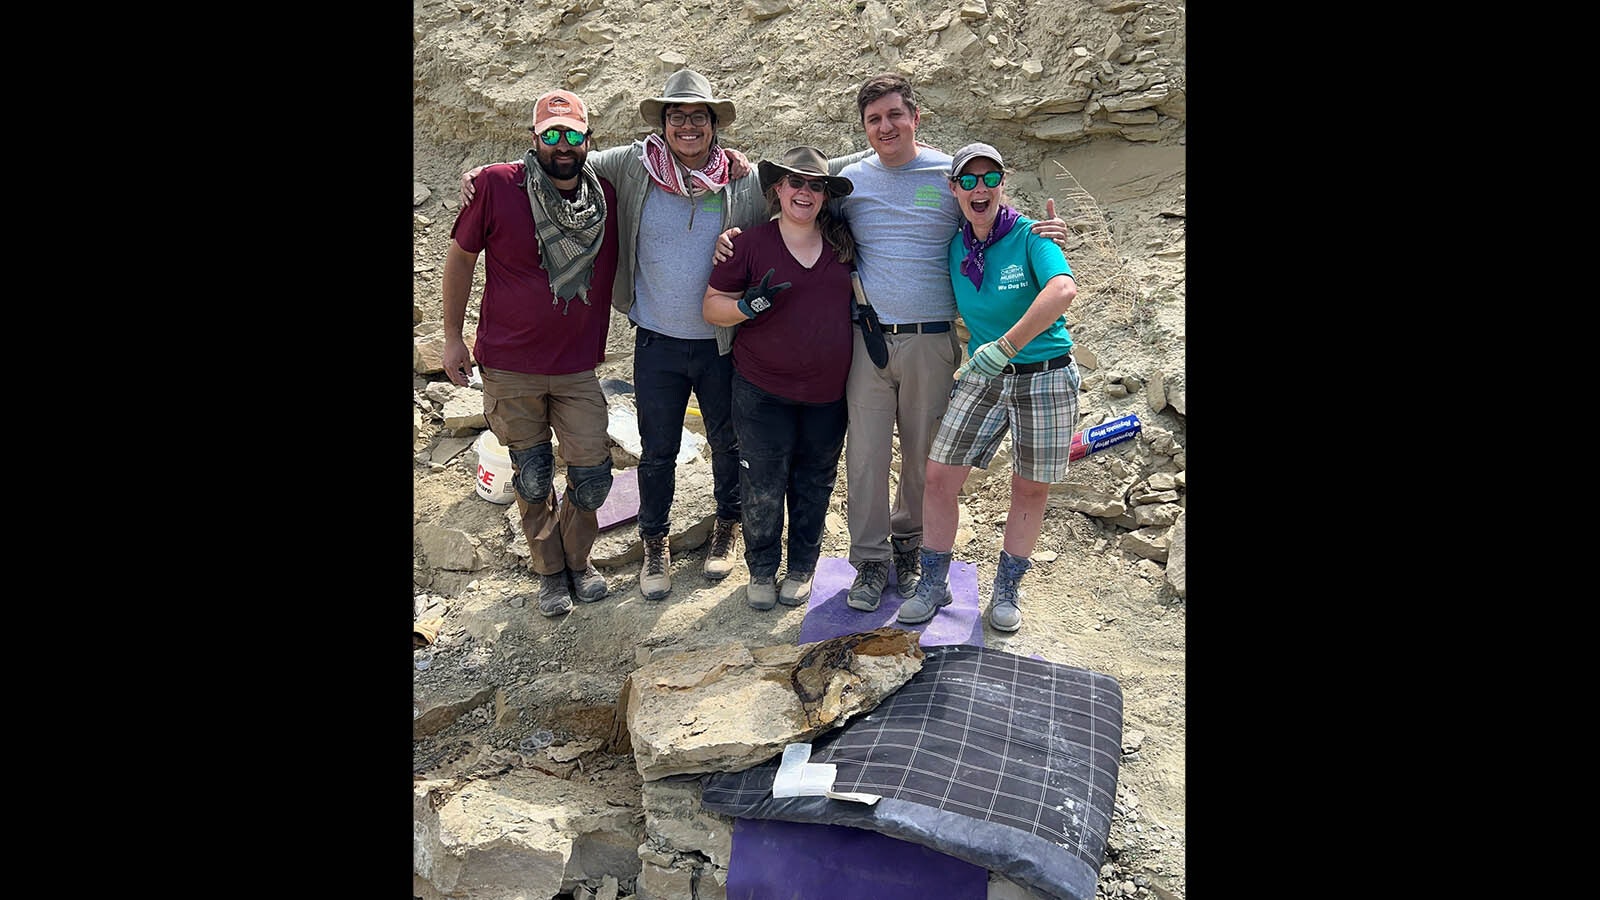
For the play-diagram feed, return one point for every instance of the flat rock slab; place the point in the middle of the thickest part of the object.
(730, 707)
(437, 701)
(521, 834)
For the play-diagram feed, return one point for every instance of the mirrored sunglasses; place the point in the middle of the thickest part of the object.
(969, 182)
(552, 136)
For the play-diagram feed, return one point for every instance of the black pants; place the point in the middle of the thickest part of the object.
(665, 369)
(788, 451)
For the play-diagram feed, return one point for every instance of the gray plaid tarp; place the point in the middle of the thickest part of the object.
(1005, 761)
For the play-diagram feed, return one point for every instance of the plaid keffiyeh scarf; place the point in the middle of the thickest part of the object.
(673, 176)
(569, 231)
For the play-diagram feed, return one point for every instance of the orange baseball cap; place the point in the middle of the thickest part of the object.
(560, 109)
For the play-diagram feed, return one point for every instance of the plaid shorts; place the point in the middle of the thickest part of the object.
(1039, 409)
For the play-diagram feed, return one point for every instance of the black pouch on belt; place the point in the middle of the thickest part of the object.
(871, 328)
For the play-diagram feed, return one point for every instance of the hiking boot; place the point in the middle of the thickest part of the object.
(932, 590)
(872, 576)
(588, 584)
(907, 570)
(554, 599)
(654, 580)
(1004, 612)
(761, 592)
(796, 589)
(719, 561)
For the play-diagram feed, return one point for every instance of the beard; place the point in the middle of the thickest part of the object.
(561, 169)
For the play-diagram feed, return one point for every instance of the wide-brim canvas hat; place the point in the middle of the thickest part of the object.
(686, 86)
(808, 162)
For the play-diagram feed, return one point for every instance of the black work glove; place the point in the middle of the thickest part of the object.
(757, 299)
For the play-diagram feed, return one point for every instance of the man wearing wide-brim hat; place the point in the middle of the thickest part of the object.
(674, 197)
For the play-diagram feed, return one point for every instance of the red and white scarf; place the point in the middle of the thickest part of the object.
(677, 178)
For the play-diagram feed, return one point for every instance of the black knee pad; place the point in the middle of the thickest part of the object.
(590, 484)
(535, 469)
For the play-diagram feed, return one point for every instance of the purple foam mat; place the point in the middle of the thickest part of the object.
(622, 504)
(827, 615)
(772, 858)
(776, 859)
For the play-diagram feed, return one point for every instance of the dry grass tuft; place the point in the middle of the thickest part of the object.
(1104, 285)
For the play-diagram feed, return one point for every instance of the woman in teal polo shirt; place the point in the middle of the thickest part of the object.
(1012, 288)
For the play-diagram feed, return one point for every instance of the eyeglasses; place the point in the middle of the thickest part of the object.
(676, 118)
(817, 185)
(969, 182)
(552, 136)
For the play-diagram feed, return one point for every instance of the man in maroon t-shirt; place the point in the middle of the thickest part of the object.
(551, 243)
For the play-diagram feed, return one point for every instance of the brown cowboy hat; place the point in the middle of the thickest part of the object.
(686, 86)
(808, 162)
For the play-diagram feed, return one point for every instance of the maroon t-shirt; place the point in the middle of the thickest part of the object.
(520, 329)
(799, 349)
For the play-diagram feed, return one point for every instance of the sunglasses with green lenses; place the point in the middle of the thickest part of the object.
(552, 136)
(969, 182)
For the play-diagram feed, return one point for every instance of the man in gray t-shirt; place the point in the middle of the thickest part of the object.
(675, 195)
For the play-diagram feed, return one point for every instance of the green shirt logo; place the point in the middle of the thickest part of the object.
(927, 195)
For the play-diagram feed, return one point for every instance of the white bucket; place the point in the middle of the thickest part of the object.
(494, 470)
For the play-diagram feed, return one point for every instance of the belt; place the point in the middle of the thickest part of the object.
(1060, 362)
(916, 327)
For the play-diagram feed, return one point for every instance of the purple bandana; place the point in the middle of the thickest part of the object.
(972, 266)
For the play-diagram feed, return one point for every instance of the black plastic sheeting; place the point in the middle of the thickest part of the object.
(1005, 761)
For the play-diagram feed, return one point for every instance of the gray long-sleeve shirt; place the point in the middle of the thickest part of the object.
(744, 206)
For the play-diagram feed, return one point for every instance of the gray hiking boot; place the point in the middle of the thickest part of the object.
(655, 581)
(588, 584)
(761, 592)
(932, 591)
(796, 589)
(866, 591)
(554, 598)
(907, 567)
(1004, 612)
(719, 560)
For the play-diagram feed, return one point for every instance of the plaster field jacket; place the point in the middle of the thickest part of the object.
(744, 206)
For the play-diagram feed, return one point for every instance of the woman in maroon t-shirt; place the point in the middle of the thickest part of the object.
(787, 287)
